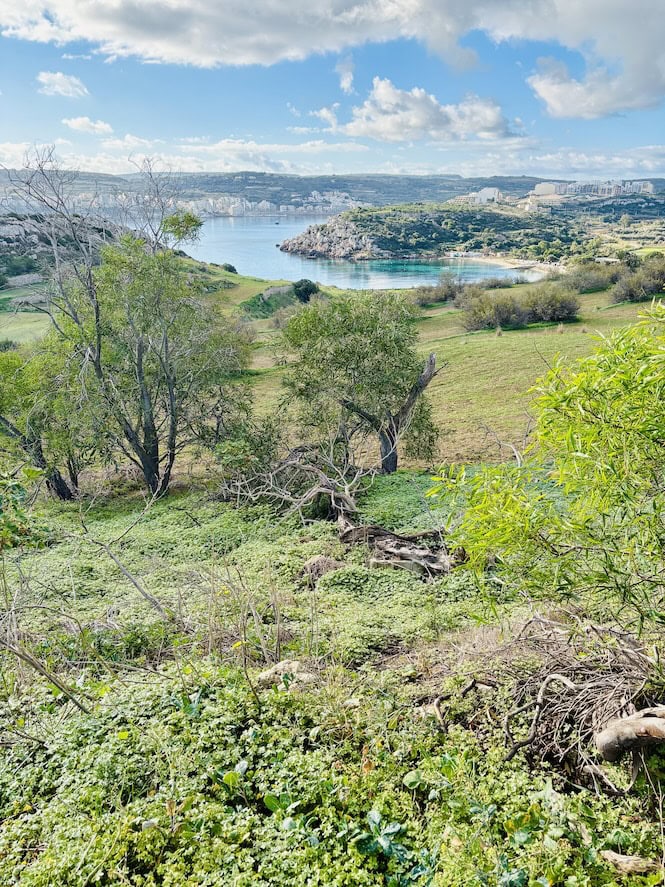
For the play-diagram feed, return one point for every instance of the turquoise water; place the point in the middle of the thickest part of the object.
(250, 244)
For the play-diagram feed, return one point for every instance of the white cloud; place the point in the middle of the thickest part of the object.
(345, 68)
(327, 116)
(85, 124)
(57, 83)
(129, 143)
(390, 114)
(622, 44)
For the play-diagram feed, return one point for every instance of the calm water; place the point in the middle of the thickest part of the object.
(249, 243)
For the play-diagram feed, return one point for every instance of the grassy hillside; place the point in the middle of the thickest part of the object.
(190, 771)
(484, 386)
(145, 741)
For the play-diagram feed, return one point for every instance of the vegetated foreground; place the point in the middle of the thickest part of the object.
(232, 652)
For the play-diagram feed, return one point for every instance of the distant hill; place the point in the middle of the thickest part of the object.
(248, 192)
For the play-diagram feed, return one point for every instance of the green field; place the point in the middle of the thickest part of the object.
(484, 385)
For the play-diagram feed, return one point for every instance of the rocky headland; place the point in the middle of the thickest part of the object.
(340, 238)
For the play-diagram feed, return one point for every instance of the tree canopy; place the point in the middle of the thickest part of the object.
(356, 369)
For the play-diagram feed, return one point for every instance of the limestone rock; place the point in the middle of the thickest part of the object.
(286, 673)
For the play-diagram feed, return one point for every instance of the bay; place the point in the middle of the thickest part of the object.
(250, 244)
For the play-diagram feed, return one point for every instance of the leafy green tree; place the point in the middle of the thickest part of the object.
(587, 509)
(304, 289)
(356, 369)
(35, 412)
(157, 364)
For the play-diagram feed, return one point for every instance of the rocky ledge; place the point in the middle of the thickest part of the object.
(339, 238)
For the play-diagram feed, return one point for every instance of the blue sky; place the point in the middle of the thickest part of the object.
(569, 88)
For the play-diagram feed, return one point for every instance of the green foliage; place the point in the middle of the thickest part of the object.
(181, 226)
(304, 289)
(13, 265)
(226, 266)
(548, 302)
(434, 229)
(266, 304)
(158, 366)
(641, 284)
(590, 277)
(356, 364)
(16, 527)
(586, 511)
(184, 783)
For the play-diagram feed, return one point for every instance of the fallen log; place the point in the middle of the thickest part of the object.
(638, 731)
(403, 550)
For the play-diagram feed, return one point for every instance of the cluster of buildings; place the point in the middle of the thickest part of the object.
(232, 205)
(610, 188)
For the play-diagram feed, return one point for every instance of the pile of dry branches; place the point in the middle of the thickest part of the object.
(581, 693)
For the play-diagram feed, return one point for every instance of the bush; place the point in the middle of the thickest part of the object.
(642, 284)
(8, 345)
(230, 268)
(304, 289)
(545, 303)
(498, 283)
(550, 303)
(447, 290)
(486, 311)
(591, 278)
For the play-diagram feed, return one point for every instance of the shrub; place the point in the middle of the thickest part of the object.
(230, 268)
(8, 345)
(498, 283)
(447, 290)
(591, 278)
(550, 303)
(304, 289)
(545, 303)
(491, 311)
(642, 284)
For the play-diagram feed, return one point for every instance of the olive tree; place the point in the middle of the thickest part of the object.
(355, 368)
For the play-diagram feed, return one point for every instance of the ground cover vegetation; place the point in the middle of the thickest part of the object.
(273, 657)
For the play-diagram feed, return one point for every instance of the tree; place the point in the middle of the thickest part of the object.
(304, 289)
(356, 369)
(156, 364)
(30, 397)
(586, 511)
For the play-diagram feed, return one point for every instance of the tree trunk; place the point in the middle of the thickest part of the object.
(388, 441)
(58, 485)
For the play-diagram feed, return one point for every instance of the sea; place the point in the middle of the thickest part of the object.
(251, 245)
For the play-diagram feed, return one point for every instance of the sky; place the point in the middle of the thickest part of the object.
(554, 88)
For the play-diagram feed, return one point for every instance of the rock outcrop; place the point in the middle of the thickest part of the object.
(339, 238)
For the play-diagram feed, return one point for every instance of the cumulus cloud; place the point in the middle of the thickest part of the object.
(85, 124)
(390, 114)
(57, 83)
(345, 69)
(622, 44)
(129, 143)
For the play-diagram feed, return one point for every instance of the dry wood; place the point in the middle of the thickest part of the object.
(638, 731)
(630, 865)
(402, 550)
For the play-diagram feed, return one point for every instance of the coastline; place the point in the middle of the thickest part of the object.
(512, 263)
